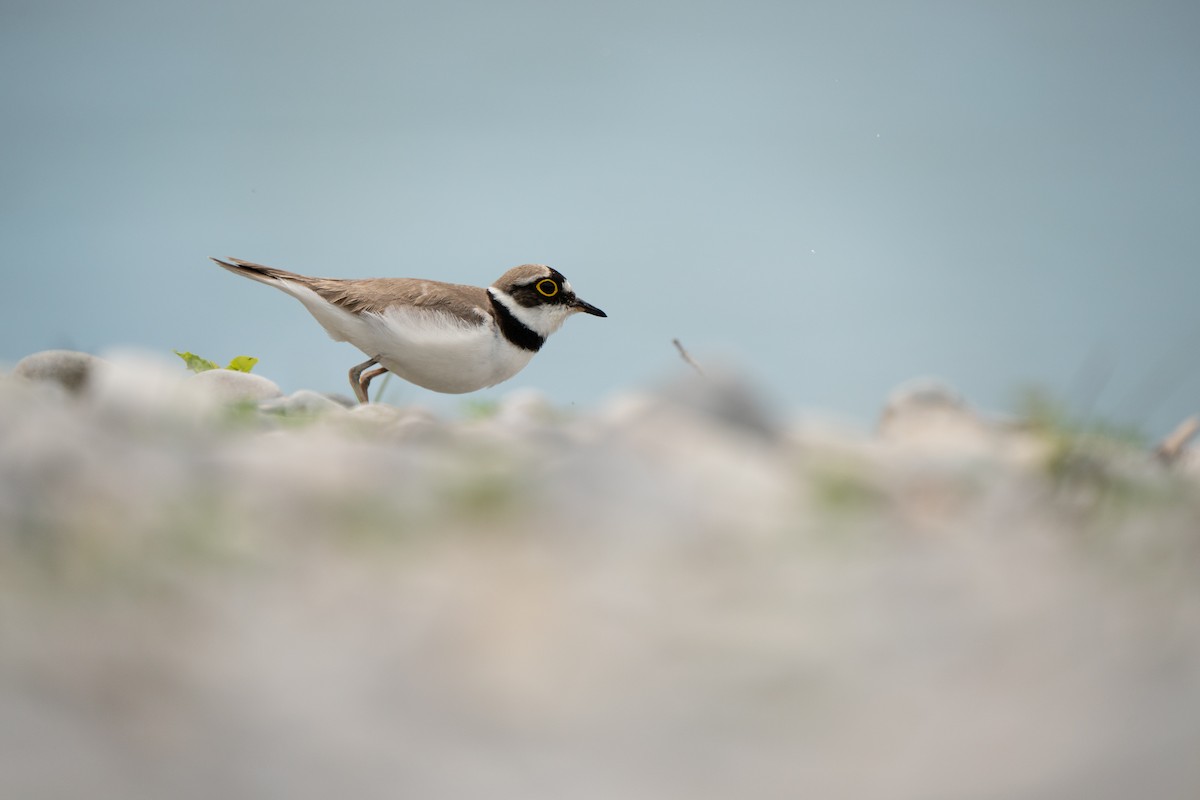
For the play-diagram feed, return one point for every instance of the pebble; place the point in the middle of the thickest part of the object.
(397, 423)
(525, 409)
(933, 416)
(304, 401)
(68, 368)
(727, 398)
(228, 386)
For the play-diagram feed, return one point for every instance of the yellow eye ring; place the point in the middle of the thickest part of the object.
(546, 287)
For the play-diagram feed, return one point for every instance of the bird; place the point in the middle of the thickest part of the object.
(446, 337)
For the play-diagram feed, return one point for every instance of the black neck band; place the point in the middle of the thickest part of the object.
(514, 330)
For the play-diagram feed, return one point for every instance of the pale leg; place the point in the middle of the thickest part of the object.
(358, 382)
(366, 379)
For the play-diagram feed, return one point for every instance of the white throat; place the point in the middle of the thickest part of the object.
(542, 320)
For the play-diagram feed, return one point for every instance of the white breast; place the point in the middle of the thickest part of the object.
(440, 352)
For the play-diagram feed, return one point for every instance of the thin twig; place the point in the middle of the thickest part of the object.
(687, 356)
(387, 378)
(1170, 448)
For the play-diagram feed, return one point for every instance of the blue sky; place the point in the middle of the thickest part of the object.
(836, 196)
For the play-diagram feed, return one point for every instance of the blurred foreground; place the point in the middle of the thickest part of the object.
(676, 595)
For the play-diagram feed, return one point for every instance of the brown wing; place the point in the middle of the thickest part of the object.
(377, 294)
(359, 295)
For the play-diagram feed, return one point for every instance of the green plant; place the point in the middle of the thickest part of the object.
(197, 364)
(1044, 414)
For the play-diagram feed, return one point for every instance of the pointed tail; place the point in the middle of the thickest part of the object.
(260, 273)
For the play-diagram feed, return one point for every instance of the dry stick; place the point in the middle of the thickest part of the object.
(687, 357)
(1170, 448)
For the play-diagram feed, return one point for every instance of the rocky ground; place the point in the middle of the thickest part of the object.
(211, 590)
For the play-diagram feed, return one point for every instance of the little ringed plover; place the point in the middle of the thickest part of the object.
(443, 336)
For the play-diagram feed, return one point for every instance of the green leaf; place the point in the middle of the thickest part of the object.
(242, 364)
(195, 363)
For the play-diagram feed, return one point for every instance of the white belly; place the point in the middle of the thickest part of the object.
(436, 351)
(457, 367)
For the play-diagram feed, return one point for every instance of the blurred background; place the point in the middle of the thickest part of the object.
(838, 196)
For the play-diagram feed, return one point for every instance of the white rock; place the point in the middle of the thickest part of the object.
(378, 413)
(525, 408)
(397, 422)
(726, 397)
(927, 417)
(229, 386)
(68, 368)
(142, 384)
(931, 415)
(304, 401)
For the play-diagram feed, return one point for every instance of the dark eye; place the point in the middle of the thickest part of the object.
(546, 287)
